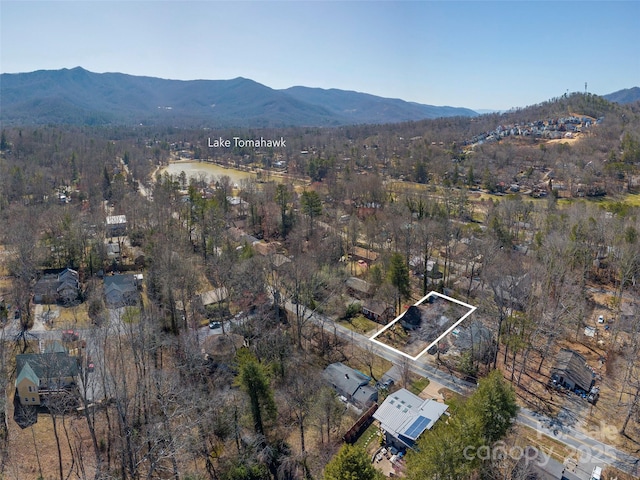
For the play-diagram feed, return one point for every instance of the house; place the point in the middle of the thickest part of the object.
(351, 384)
(68, 286)
(121, 290)
(62, 287)
(363, 254)
(116, 225)
(213, 297)
(263, 248)
(358, 287)
(379, 312)
(571, 371)
(113, 250)
(237, 205)
(412, 318)
(404, 416)
(44, 374)
(475, 338)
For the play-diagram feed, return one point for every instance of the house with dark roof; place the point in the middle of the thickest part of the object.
(121, 290)
(571, 371)
(41, 375)
(62, 287)
(351, 384)
(404, 416)
(380, 312)
(412, 318)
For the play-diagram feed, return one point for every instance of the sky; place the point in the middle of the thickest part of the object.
(478, 54)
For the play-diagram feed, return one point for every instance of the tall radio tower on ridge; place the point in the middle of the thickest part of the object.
(585, 87)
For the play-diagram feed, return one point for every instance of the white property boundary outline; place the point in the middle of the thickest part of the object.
(446, 332)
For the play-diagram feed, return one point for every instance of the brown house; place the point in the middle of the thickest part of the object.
(377, 311)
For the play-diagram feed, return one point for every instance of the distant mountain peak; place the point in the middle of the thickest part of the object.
(627, 95)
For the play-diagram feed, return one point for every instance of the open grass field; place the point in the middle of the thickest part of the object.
(360, 324)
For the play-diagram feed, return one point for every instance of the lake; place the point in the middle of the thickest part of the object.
(211, 170)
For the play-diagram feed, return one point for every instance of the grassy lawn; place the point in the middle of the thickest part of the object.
(548, 445)
(360, 324)
(368, 438)
(74, 315)
(131, 314)
(417, 386)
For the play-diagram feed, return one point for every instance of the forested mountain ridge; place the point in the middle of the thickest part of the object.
(627, 95)
(79, 97)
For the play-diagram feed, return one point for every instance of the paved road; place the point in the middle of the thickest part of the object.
(421, 368)
(589, 451)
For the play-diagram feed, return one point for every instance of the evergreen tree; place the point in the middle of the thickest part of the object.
(253, 379)
(471, 179)
(3, 141)
(283, 196)
(351, 463)
(399, 276)
(494, 403)
(449, 450)
(311, 206)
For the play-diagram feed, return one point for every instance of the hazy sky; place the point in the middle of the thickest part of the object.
(475, 54)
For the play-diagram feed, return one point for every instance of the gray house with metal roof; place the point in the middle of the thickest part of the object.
(351, 384)
(404, 417)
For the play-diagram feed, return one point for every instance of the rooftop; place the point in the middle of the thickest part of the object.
(344, 378)
(406, 416)
(116, 219)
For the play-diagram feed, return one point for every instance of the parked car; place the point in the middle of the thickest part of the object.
(69, 336)
(213, 325)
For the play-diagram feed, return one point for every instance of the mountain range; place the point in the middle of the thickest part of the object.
(80, 97)
(77, 96)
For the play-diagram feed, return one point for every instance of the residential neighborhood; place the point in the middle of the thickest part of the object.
(363, 300)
